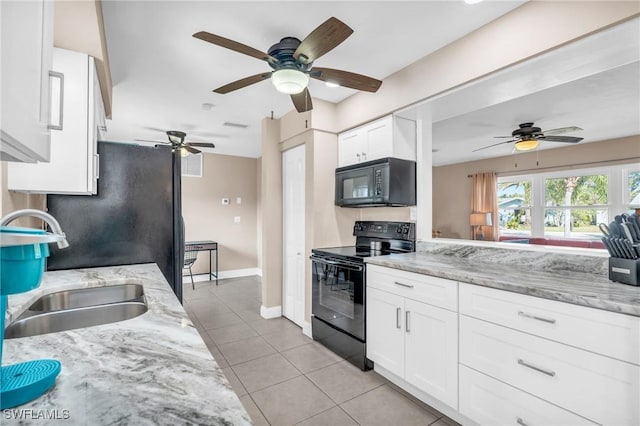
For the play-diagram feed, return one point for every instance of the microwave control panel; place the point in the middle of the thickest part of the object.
(378, 182)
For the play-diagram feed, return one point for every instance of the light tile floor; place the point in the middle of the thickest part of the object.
(285, 378)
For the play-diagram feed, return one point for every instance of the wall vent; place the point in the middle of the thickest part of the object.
(192, 165)
(237, 125)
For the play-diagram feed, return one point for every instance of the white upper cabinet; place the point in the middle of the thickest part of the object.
(388, 136)
(73, 167)
(27, 46)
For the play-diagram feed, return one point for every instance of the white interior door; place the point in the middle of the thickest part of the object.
(293, 182)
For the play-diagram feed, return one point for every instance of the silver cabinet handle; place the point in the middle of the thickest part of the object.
(398, 318)
(358, 155)
(364, 155)
(406, 321)
(536, 317)
(60, 122)
(536, 368)
(403, 284)
(521, 422)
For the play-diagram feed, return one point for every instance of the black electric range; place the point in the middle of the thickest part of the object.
(339, 286)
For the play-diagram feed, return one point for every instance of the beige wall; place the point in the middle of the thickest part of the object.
(259, 212)
(512, 38)
(452, 187)
(206, 218)
(11, 200)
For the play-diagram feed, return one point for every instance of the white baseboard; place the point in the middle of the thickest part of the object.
(306, 329)
(234, 273)
(269, 313)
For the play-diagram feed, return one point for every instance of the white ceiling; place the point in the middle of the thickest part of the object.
(593, 83)
(162, 76)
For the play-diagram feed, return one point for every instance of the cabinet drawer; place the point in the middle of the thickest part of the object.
(599, 388)
(422, 288)
(607, 333)
(490, 402)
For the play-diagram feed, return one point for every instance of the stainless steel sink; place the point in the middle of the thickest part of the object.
(80, 308)
(83, 297)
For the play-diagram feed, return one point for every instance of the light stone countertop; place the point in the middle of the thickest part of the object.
(150, 370)
(554, 277)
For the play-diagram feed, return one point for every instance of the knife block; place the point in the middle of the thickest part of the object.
(626, 271)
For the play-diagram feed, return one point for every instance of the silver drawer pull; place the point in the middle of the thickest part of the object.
(403, 284)
(398, 318)
(539, 369)
(536, 317)
(406, 321)
(521, 422)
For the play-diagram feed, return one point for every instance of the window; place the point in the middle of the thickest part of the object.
(632, 188)
(192, 165)
(514, 206)
(574, 205)
(566, 204)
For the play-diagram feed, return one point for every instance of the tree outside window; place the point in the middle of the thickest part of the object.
(574, 205)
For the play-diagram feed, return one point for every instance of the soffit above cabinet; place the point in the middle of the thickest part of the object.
(79, 26)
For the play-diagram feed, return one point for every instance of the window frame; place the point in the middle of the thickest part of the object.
(617, 192)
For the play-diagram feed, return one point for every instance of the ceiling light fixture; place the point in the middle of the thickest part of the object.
(289, 81)
(183, 151)
(527, 144)
(472, 1)
(332, 84)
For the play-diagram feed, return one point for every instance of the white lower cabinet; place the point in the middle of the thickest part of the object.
(494, 357)
(599, 388)
(491, 402)
(416, 341)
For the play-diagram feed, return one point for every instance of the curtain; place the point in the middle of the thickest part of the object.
(484, 200)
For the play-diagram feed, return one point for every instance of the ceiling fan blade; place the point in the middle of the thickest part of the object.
(244, 82)
(569, 139)
(503, 137)
(302, 101)
(327, 36)
(562, 130)
(191, 150)
(495, 144)
(235, 46)
(346, 79)
(202, 144)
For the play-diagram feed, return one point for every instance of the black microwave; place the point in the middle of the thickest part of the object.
(376, 183)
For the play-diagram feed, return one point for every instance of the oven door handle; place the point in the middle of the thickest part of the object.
(349, 266)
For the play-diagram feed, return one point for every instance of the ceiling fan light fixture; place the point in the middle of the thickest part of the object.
(527, 144)
(183, 151)
(289, 81)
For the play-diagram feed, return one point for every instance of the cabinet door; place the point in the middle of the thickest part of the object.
(379, 139)
(385, 335)
(350, 147)
(27, 45)
(431, 350)
(71, 169)
(491, 402)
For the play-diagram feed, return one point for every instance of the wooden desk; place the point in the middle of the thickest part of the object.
(206, 245)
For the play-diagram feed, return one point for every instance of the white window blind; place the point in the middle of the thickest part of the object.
(192, 165)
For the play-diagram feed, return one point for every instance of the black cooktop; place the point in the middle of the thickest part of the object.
(351, 252)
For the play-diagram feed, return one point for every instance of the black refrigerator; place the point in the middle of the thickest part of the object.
(135, 217)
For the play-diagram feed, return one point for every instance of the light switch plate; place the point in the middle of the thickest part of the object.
(238, 200)
(236, 219)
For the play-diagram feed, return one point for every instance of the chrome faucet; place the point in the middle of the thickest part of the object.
(46, 217)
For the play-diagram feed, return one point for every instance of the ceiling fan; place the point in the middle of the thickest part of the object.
(292, 63)
(527, 137)
(176, 139)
